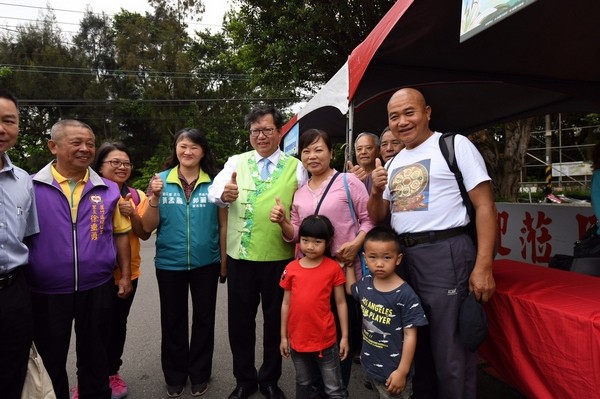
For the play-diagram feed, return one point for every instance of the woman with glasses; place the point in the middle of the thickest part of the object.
(190, 256)
(114, 163)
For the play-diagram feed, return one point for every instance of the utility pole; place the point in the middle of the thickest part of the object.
(548, 169)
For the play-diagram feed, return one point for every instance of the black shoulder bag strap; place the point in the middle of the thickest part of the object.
(325, 192)
(447, 148)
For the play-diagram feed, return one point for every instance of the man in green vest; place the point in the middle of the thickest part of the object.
(256, 252)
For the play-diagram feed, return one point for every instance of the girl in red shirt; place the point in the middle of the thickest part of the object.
(308, 331)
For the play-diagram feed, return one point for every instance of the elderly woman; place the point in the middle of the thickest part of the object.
(332, 201)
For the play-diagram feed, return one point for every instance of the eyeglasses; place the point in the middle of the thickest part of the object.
(267, 131)
(115, 163)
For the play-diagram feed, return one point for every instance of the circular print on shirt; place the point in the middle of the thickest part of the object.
(408, 186)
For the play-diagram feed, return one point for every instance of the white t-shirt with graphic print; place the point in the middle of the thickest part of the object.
(423, 191)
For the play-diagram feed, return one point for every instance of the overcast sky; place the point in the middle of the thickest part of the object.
(69, 12)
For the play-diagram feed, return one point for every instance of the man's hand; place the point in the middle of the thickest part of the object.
(379, 177)
(482, 283)
(230, 191)
(357, 171)
(125, 287)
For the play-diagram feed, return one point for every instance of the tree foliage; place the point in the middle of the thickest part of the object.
(140, 78)
(291, 47)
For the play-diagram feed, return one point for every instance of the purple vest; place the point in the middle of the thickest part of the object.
(66, 257)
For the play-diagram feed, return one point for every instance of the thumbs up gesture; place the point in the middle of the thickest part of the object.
(357, 171)
(126, 206)
(379, 177)
(156, 185)
(277, 214)
(230, 191)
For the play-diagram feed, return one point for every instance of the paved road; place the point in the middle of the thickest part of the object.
(141, 360)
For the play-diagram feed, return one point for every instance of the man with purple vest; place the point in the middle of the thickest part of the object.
(83, 238)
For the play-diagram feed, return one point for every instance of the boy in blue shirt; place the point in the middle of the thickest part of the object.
(391, 313)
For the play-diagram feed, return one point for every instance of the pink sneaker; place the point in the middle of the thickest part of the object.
(75, 392)
(118, 386)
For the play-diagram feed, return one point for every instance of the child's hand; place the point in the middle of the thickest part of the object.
(396, 382)
(284, 348)
(344, 348)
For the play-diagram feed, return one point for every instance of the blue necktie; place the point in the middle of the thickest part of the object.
(264, 172)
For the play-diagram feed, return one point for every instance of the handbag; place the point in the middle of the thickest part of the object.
(361, 255)
(472, 323)
(38, 384)
(589, 245)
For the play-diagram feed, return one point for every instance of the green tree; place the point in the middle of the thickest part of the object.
(290, 48)
(49, 77)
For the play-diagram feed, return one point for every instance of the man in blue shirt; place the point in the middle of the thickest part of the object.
(18, 219)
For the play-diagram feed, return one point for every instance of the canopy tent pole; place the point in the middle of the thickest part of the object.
(349, 134)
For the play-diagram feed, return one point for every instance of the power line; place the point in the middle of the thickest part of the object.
(61, 103)
(47, 69)
(37, 20)
(39, 8)
(187, 22)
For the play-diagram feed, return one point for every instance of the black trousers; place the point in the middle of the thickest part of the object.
(248, 285)
(183, 356)
(53, 320)
(118, 328)
(16, 332)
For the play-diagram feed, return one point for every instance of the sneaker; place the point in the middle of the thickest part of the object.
(75, 392)
(117, 386)
(199, 389)
(174, 391)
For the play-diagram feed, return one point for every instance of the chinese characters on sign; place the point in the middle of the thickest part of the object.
(535, 232)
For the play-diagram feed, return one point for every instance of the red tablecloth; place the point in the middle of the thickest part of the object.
(544, 331)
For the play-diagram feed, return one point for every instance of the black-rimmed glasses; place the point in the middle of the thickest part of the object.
(115, 163)
(267, 131)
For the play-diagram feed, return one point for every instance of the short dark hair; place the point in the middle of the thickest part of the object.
(317, 226)
(104, 150)
(208, 163)
(312, 135)
(383, 234)
(5, 93)
(262, 110)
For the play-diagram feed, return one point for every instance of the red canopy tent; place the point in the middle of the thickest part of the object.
(542, 59)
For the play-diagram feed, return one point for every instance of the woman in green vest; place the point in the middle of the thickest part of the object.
(190, 256)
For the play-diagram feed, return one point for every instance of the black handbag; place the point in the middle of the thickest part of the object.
(589, 245)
